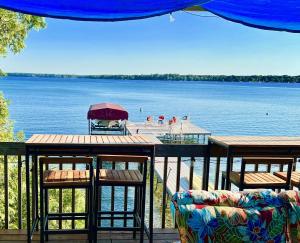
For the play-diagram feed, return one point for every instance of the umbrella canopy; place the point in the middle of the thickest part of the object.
(107, 111)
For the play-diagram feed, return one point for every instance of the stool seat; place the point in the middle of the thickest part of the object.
(120, 177)
(295, 177)
(61, 178)
(256, 179)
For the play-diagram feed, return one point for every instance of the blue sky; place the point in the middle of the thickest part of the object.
(189, 45)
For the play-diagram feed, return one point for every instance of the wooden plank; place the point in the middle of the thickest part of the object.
(99, 139)
(94, 139)
(87, 139)
(128, 140)
(160, 236)
(122, 139)
(75, 139)
(105, 139)
(57, 139)
(45, 138)
(81, 139)
(256, 140)
(69, 139)
(117, 139)
(63, 139)
(110, 139)
(51, 138)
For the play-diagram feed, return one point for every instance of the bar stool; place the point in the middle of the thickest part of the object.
(123, 178)
(295, 177)
(260, 179)
(65, 179)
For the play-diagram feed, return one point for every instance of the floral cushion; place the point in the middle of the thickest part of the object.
(224, 216)
(292, 200)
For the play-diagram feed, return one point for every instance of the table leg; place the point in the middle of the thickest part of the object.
(228, 169)
(28, 197)
(206, 165)
(151, 196)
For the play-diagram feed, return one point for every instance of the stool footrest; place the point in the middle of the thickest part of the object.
(118, 228)
(115, 212)
(66, 231)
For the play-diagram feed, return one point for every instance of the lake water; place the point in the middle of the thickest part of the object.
(55, 105)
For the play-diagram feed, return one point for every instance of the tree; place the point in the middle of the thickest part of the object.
(14, 28)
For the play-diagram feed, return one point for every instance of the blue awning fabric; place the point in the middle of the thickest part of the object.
(265, 14)
(98, 10)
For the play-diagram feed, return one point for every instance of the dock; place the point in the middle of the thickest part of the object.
(172, 175)
(183, 130)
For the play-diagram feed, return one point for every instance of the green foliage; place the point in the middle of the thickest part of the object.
(14, 28)
(6, 125)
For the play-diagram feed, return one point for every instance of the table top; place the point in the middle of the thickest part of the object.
(259, 141)
(56, 139)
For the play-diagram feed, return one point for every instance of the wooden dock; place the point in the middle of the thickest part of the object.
(172, 175)
(177, 131)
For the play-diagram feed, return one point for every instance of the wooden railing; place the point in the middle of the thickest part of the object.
(12, 154)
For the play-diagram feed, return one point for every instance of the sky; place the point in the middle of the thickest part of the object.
(189, 45)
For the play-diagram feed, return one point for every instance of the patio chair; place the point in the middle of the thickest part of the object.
(121, 178)
(65, 179)
(260, 179)
(227, 217)
(295, 177)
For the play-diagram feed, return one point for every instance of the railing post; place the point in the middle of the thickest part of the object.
(178, 173)
(6, 192)
(125, 197)
(191, 179)
(217, 173)
(19, 192)
(206, 165)
(60, 201)
(163, 217)
(73, 199)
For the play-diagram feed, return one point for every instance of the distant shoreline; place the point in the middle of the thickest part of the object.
(174, 77)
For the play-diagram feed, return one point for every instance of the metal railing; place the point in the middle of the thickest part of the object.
(12, 156)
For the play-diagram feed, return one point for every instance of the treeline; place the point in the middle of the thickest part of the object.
(175, 77)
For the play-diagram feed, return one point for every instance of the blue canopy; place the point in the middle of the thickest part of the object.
(98, 10)
(265, 14)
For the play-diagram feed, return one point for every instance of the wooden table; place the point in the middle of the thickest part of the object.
(83, 145)
(250, 146)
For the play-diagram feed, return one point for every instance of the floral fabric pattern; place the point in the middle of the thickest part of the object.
(292, 203)
(224, 216)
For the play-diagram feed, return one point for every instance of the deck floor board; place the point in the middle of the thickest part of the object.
(160, 236)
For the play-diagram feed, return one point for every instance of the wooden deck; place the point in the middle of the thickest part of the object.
(56, 139)
(258, 141)
(160, 236)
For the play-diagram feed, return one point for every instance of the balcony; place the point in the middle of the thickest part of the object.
(13, 225)
(177, 167)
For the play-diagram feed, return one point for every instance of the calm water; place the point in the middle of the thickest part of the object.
(54, 105)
